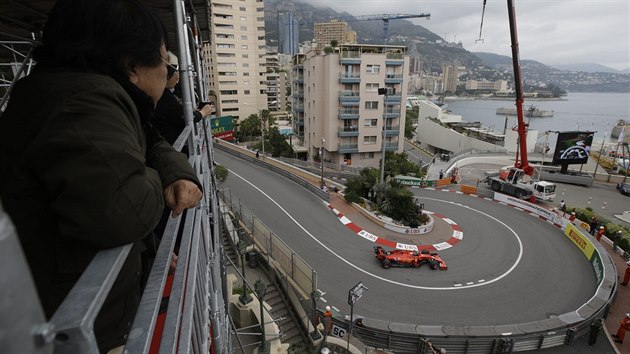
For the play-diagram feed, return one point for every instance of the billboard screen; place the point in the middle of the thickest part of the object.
(222, 127)
(573, 148)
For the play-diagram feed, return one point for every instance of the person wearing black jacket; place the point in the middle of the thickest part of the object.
(169, 113)
(81, 167)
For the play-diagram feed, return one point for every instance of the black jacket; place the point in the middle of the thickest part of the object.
(82, 169)
(168, 117)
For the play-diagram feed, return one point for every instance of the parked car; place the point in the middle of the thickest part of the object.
(624, 188)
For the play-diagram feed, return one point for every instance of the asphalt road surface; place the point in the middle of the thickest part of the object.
(509, 268)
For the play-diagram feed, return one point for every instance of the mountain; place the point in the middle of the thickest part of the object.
(590, 68)
(435, 52)
(536, 74)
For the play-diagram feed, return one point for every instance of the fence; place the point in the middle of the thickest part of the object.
(296, 277)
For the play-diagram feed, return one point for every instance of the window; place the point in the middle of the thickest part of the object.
(370, 122)
(229, 92)
(225, 45)
(242, 8)
(371, 105)
(369, 139)
(246, 65)
(244, 46)
(246, 92)
(244, 37)
(373, 69)
(229, 101)
(226, 65)
(246, 83)
(367, 155)
(225, 36)
(226, 55)
(245, 74)
(227, 82)
(223, 25)
(371, 87)
(243, 28)
(245, 56)
(227, 73)
(230, 109)
(243, 18)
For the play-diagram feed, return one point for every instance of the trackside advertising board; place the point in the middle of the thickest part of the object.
(538, 210)
(582, 243)
(222, 128)
(413, 181)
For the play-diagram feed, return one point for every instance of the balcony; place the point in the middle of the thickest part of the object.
(350, 78)
(298, 79)
(390, 146)
(350, 57)
(348, 114)
(298, 107)
(393, 99)
(393, 78)
(392, 130)
(349, 96)
(392, 113)
(349, 131)
(348, 148)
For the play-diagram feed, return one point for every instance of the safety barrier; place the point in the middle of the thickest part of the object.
(304, 178)
(297, 278)
(466, 189)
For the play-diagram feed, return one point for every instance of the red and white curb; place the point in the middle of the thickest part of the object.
(457, 235)
(550, 221)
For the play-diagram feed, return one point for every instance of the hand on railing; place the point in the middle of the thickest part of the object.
(182, 194)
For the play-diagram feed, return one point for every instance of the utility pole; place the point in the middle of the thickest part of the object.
(321, 160)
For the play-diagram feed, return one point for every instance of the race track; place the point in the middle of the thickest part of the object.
(509, 268)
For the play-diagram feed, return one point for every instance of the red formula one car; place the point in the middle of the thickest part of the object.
(404, 258)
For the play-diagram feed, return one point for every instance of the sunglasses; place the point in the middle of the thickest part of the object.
(170, 69)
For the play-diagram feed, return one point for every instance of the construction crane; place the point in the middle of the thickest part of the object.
(385, 18)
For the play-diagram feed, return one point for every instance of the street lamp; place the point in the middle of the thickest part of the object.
(261, 289)
(321, 160)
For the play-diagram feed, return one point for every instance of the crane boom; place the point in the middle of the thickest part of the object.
(385, 18)
(518, 87)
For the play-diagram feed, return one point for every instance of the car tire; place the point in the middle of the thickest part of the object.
(416, 264)
(386, 264)
(433, 264)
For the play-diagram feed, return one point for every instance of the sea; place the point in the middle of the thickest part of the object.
(596, 112)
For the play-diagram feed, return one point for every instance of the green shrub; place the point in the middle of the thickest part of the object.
(624, 244)
(352, 197)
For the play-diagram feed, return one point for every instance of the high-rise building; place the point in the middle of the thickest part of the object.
(277, 84)
(450, 75)
(234, 58)
(325, 32)
(336, 102)
(415, 65)
(288, 33)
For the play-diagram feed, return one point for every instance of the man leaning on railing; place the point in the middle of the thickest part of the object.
(81, 168)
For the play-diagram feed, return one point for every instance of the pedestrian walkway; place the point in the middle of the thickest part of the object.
(617, 311)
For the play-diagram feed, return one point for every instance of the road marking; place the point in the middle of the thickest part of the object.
(322, 299)
(321, 293)
(342, 259)
(334, 308)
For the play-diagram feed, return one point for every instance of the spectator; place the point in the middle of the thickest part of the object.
(600, 233)
(82, 169)
(169, 113)
(441, 174)
(563, 207)
(593, 225)
(572, 217)
(626, 275)
(624, 326)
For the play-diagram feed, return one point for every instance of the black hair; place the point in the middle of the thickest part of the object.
(105, 36)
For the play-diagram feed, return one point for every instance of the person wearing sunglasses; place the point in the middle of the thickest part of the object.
(168, 117)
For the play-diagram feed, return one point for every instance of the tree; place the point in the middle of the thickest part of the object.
(221, 173)
(399, 164)
(279, 145)
(250, 126)
(334, 43)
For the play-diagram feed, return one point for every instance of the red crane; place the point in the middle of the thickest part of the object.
(518, 87)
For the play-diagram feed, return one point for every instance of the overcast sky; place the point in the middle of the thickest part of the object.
(549, 31)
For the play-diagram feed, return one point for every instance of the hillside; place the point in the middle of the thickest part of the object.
(435, 53)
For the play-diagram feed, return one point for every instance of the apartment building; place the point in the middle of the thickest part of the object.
(336, 102)
(450, 76)
(288, 33)
(277, 83)
(484, 85)
(234, 58)
(325, 32)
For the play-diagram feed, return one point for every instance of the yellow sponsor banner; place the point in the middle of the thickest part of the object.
(583, 243)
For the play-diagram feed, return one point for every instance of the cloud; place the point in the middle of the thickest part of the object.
(549, 31)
